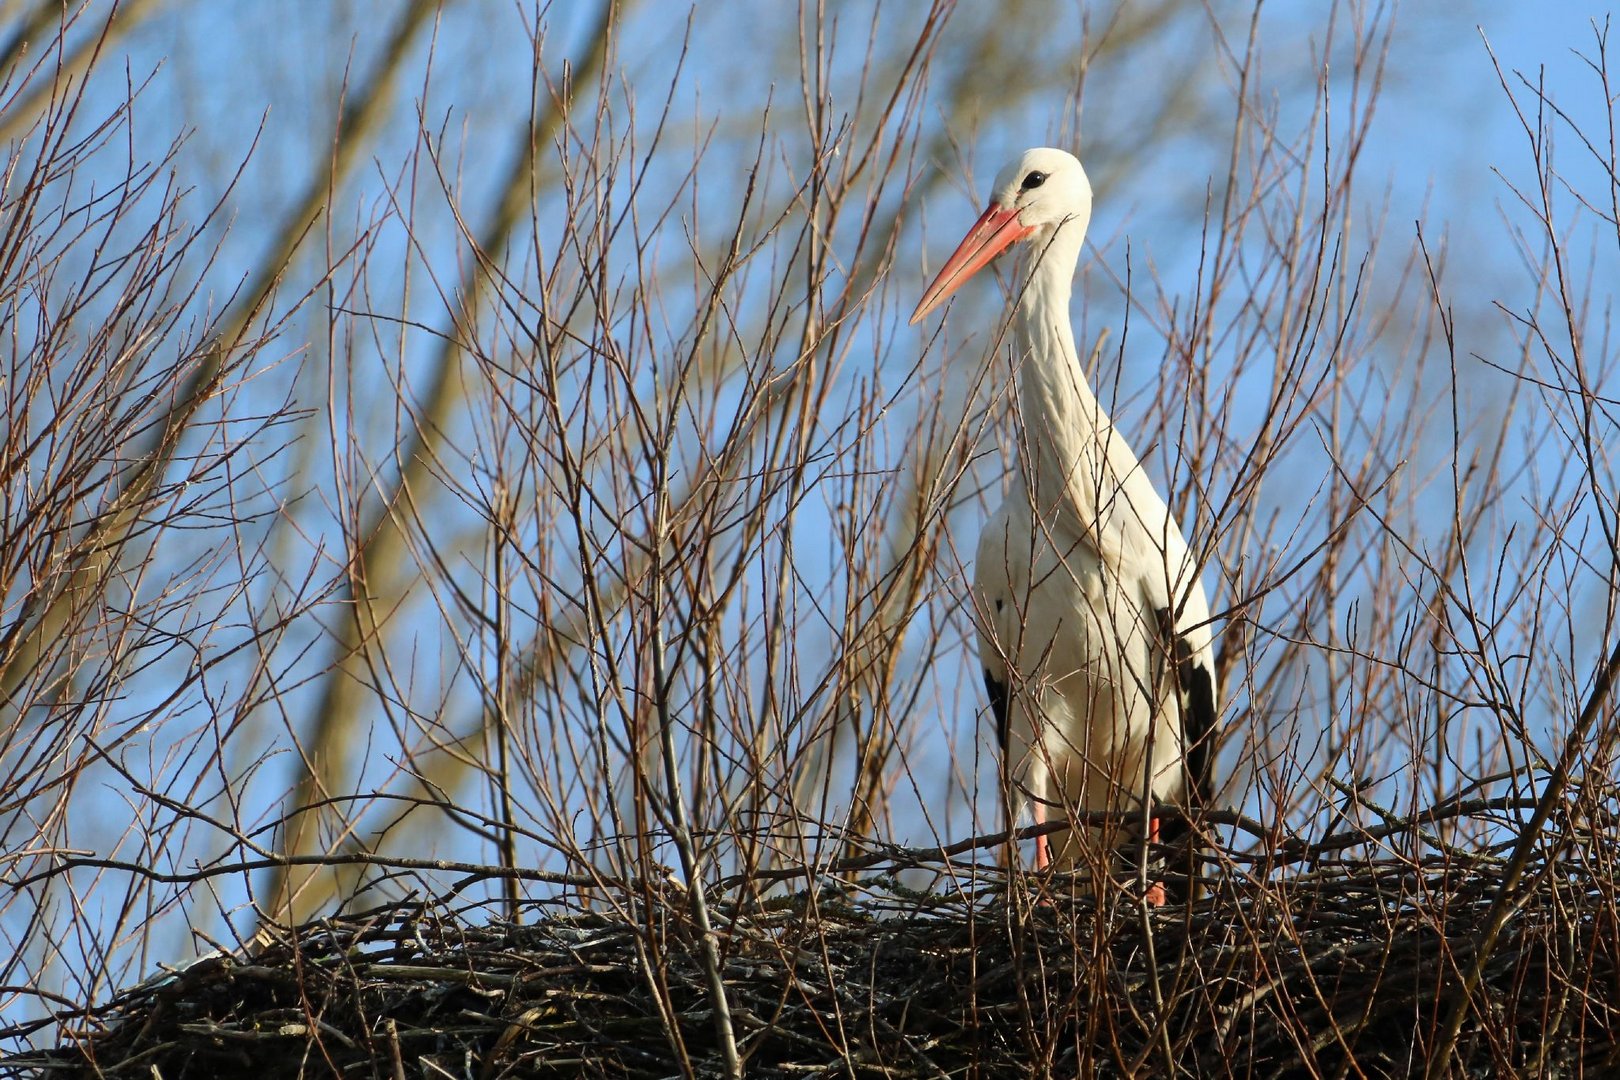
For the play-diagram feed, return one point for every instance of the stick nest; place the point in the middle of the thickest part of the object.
(1304, 965)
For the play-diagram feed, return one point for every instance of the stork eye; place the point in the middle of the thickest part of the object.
(1033, 180)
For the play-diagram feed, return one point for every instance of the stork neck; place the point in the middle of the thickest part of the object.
(1044, 330)
(1059, 406)
(1072, 453)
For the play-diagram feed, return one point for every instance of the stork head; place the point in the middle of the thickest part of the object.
(1043, 193)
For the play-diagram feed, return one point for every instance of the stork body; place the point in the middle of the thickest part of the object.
(1093, 626)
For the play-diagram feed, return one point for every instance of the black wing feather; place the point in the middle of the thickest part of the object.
(1198, 728)
(1196, 683)
(998, 705)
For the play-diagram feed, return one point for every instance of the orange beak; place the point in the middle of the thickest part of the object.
(996, 230)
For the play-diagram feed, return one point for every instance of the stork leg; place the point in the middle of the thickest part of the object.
(1155, 893)
(1043, 855)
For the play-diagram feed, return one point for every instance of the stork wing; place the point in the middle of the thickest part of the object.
(997, 690)
(993, 589)
(1196, 681)
(1195, 685)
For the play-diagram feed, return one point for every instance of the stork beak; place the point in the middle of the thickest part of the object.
(996, 230)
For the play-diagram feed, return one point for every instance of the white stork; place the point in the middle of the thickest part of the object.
(1093, 626)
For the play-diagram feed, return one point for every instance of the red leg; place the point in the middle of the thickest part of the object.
(1155, 893)
(1043, 856)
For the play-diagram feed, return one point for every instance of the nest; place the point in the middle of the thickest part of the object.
(1297, 962)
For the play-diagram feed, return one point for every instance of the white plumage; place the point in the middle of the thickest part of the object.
(1093, 625)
